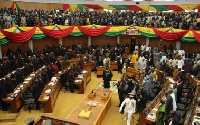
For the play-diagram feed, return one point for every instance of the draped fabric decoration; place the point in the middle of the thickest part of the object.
(160, 7)
(114, 31)
(198, 9)
(96, 7)
(73, 7)
(19, 37)
(188, 39)
(188, 7)
(80, 6)
(119, 7)
(196, 35)
(93, 31)
(174, 7)
(107, 7)
(57, 34)
(3, 41)
(147, 8)
(76, 32)
(38, 33)
(170, 35)
(65, 7)
(134, 7)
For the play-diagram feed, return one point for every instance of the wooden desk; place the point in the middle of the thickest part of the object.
(88, 76)
(82, 83)
(114, 65)
(98, 113)
(16, 102)
(54, 120)
(53, 94)
(100, 70)
(132, 71)
(88, 66)
(154, 105)
(73, 61)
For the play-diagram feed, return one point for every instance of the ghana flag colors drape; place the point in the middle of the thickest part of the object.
(170, 35)
(19, 37)
(93, 31)
(57, 34)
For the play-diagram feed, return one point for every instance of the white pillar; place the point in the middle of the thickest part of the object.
(0, 53)
(60, 41)
(178, 45)
(147, 41)
(118, 39)
(30, 44)
(89, 40)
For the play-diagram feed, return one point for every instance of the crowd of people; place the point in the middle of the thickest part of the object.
(174, 63)
(9, 18)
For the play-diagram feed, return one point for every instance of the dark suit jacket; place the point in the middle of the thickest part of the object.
(169, 104)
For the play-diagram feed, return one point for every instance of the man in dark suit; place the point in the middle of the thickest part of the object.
(107, 76)
(3, 94)
(37, 89)
(169, 103)
(179, 90)
(120, 63)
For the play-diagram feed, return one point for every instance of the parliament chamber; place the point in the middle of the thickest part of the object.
(99, 62)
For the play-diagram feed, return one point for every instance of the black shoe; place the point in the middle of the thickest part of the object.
(118, 106)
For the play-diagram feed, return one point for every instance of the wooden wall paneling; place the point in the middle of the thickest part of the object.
(70, 40)
(30, 5)
(157, 41)
(14, 45)
(191, 47)
(125, 39)
(103, 40)
(40, 44)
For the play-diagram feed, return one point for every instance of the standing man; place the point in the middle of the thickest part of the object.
(130, 108)
(107, 76)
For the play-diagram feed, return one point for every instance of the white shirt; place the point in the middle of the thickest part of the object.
(180, 63)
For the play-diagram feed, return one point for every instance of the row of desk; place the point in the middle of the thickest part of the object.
(14, 98)
(50, 92)
(194, 110)
(152, 107)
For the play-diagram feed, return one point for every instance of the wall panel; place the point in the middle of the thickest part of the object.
(157, 41)
(40, 44)
(103, 40)
(70, 40)
(191, 47)
(13, 46)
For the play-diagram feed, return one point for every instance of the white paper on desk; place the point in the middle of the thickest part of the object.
(59, 72)
(27, 79)
(51, 83)
(100, 66)
(16, 91)
(115, 61)
(10, 98)
(155, 109)
(84, 71)
(78, 80)
(46, 97)
(26, 82)
(171, 80)
(151, 116)
(21, 86)
(54, 79)
(48, 91)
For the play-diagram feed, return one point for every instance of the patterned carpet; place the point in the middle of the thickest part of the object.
(113, 86)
